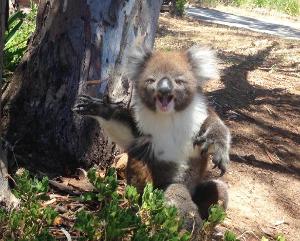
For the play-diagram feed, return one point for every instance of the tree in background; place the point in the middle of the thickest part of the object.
(6, 196)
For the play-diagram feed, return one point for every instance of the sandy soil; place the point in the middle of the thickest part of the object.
(258, 96)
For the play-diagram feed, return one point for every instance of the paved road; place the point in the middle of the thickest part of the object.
(215, 16)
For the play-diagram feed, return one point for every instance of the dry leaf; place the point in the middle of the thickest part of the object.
(57, 221)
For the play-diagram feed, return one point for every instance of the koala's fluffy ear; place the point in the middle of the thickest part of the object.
(204, 63)
(137, 57)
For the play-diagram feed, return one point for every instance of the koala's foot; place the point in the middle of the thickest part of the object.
(202, 142)
(220, 158)
(209, 193)
(138, 174)
(179, 196)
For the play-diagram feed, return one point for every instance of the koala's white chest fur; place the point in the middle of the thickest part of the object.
(172, 134)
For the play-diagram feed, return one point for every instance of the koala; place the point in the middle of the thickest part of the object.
(169, 131)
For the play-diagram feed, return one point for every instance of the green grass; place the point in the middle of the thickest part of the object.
(291, 7)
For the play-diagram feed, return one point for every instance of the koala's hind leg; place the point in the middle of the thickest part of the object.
(137, 174)
(179, 196)
(208, 193)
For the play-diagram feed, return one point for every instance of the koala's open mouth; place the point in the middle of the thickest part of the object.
(165, 103)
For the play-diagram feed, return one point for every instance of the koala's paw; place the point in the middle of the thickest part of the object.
(220, 159)
(86, 105)
(217, 149)
(201, 142)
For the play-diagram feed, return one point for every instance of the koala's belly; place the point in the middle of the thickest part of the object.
(173, 147)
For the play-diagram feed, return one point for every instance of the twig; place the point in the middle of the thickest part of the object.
(51, 201)
(64, 188)
(279, 160)
(11, 178)
(248, 232)
(68, 236)
(194, 222)
(93, 82)
(269, 155)
(11, 147)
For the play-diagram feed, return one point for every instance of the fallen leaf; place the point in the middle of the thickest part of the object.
(57, 221)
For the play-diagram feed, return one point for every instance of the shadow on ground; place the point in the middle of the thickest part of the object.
(271, 144)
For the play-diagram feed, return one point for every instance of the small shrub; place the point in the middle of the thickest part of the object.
(216, 216)
(179, 5)
(30, 221)
(230, 236)
(149, 220)
(112, 215)
(280, 238)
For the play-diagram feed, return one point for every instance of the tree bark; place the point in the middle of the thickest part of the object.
(74, 42)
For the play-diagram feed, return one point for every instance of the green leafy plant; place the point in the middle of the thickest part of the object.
(280, 238)
(216, 216)
(20, 27)
(230, 236)
(108, 214)
(127, 215)
(291, 7)
(30, 221)
(179, 5)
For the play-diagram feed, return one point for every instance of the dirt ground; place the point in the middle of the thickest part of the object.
(258, 96)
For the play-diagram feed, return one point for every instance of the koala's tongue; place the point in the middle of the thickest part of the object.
(164, 102)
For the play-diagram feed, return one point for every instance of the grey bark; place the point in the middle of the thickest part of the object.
(75, 42)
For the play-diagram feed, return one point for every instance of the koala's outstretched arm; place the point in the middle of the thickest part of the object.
(105, 109)
(214, 138)
(118, 123)
(114, 118)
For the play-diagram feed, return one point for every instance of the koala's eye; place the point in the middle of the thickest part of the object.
(179, 81)
(150, 81)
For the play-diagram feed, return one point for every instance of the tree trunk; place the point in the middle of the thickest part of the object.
(74, 42)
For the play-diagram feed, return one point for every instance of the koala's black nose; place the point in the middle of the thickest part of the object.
(164, 86)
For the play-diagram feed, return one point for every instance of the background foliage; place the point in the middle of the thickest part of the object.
(291, 7)
(20, 26)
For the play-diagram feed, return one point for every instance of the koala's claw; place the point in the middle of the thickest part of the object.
(222, 167)
(221, 164)
(220, 158)
(86, 105)
(198, 141)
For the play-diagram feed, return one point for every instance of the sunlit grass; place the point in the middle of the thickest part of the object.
(291, 7)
